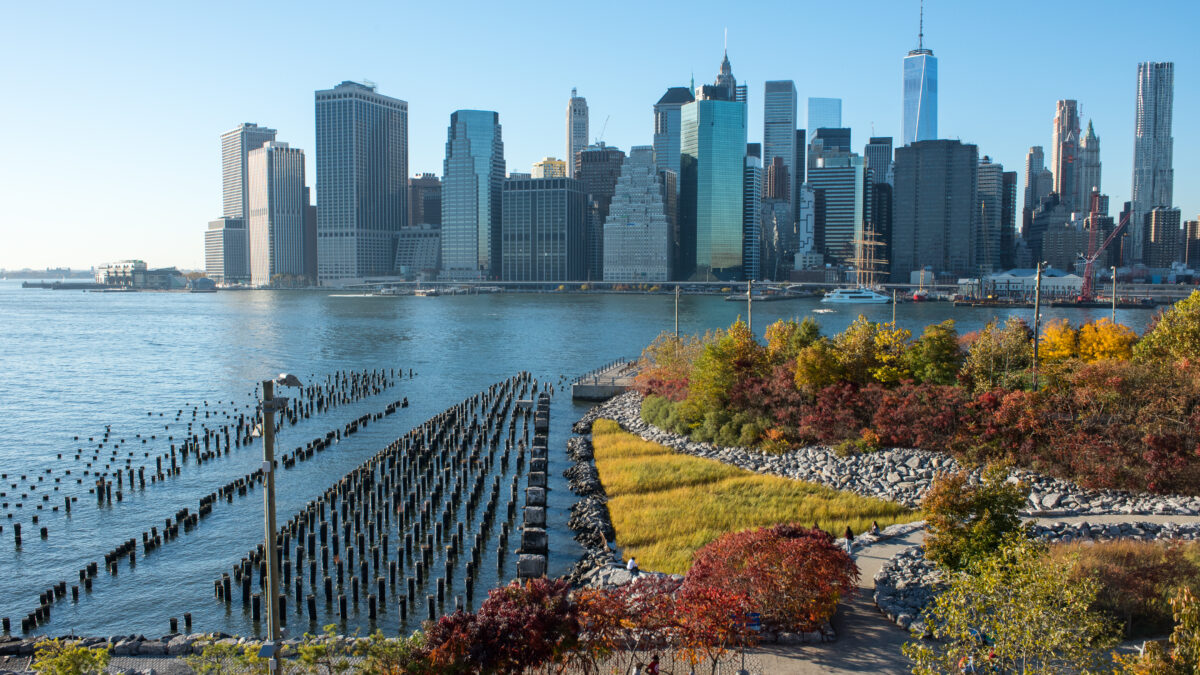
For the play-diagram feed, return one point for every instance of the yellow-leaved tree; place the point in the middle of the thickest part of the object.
(1103, 339)
(1059, 342)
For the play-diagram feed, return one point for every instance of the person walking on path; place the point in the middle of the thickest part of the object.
(849, 540)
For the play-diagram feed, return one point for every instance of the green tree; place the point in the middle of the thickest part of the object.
(1012, 613)
(1000, 355)
(891, 355)
(732, 358)
(785, 339)
(1175, 335)
(935, 357)
(817, 366)
(56, 657)
(968, 521)
(855, 350)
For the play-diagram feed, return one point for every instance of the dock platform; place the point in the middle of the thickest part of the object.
(606, 381)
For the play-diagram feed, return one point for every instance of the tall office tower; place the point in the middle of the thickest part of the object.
(542, 230)
(1191, 243)
(419, 251)
(1087, 168)
(934, 200)
(1162, 244)
(827, 140)
(235, 145)
(810, 225)
(824, 113)
(1008, 220)
(777, 181)
(778, 234)
(425, 200)
(550, 167)
(598, 167)
(227, 251)
(779, 133)
(666, 128)
(275, 182)
(920, 91)
(472, 183)
(577, 129)
(842, 179)
(800, 166)
(637, 232)
(712, 164)
(728, 83)
(989, 216)
(1153, 175)
(310, 237)
(752, 238)
(881, 212)
(362, 180)
(879, 158)
(1035, 163)
(1065, 151)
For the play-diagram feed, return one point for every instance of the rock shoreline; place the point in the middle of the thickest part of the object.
(900, 475)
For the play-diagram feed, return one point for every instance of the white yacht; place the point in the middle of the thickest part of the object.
(860, 295)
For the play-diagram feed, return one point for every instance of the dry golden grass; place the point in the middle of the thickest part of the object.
(665, 505)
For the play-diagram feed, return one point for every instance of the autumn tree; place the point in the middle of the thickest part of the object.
(1175, 333)
(58, 657)
(969, 520)
(667, 363)
(1012, 613)
(935, 357)
(891, 355)
(1103, 339)
(817, 367)
(999, 356)
(785, 339)
(1059, 341)
(732, 358)
(711, 622)
(1183, 658)
(792, 575)
(855, 350)
(617, 624)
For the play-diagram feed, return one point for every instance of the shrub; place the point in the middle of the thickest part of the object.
(55, 657)
(1059, 341)
(1137, 579)
(792, 575)
(1184, 656)
(1174, 335)
(925, 416)
(785, 339)
(969, 522)
(935, 357)
(817, 367)
(395, 656)
(999, 356)
(1103, 339)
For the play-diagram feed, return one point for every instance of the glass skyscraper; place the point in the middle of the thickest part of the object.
(779, 129)
(472, 183)
(277, 206)
(712, 159)
(824, 113)
(542, 230)
(666, 128)
(362, 181)
(920, 95)
(1153, 146)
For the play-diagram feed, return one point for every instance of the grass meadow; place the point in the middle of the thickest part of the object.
(665, 506)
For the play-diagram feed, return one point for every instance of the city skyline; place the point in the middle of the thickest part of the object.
(1002, 106)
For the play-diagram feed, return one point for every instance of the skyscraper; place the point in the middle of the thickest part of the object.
(824, 113)
(362, 181)
(577, 129)
(1153, 145)
(841, 177)
(989, 216)
(1087, 168)
(728, 83)
(920, 91)
(1008, 220)
(1162, 237)
(278, 208)
(666, 128)
(550, 167)
(598, 167)
(712, 164)
(752, 238)
(637, 237)
(227, 251)
(1065, 151)
(235, 145)
(779, 132)
(879, 158)
(472, 186)
(425, 200)
(1035, 163)
(934, 198)
(542, 230)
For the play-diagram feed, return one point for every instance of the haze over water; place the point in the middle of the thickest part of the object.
(73, 362)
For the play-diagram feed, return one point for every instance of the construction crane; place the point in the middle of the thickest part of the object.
(600, 138)
(1088, 292)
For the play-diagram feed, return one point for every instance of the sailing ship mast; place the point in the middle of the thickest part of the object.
(866, 261)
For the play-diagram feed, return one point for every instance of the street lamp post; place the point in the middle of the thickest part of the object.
(270, 405)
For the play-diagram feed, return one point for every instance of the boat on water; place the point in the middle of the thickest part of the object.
(858, 295)
(427, 292)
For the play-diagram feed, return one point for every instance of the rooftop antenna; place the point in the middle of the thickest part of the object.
(921, 29)
(727, 38)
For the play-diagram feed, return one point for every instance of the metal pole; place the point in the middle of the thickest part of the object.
(1037, 317)
(749, 308)
(676, 311)
(268, 468)
(893, 309)
(1114, 294)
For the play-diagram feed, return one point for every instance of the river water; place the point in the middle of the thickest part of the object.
(73, 363)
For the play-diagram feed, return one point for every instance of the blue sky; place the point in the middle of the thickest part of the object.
(112, 111)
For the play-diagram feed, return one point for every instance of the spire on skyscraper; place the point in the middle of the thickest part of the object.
(921, 28)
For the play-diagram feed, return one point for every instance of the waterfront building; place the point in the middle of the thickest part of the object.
(989, 217)
(1163, 243)
(752, 237)
(419, 251)
(425, 200)
(779, 137)
(1153, 146)
(126, 273)
(824, 113)
(550, 167)
(637, 231)
(878, 154)
(362, 181)
(542, 230)
(1191, 243)
(810, 228)
(841, 177)
(920, 91)
(227, 251)
(577, 130)
(1087, 168)
(666, 128)
(472, 187)
(881, 215)
(278, 209)
(597, 167)
(712, 159)
(934, 200)
(1065, 149)
(235, 145)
